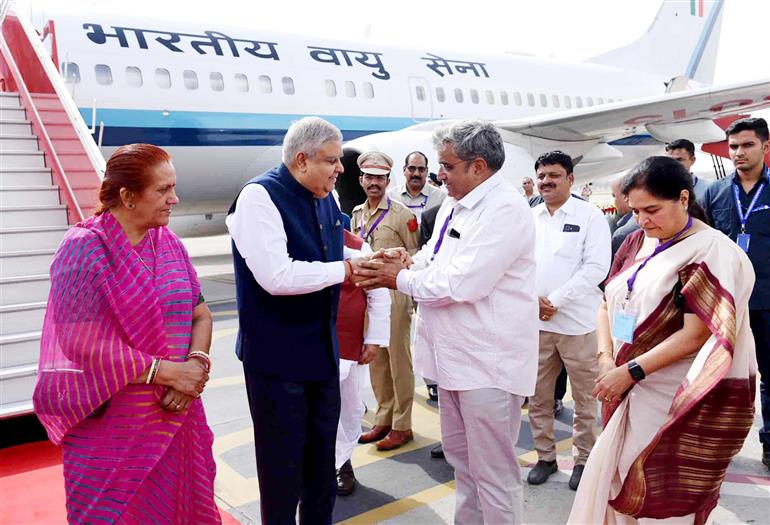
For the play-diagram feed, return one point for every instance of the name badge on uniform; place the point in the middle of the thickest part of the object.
(743, 241)
(624, 324)
(571, 228)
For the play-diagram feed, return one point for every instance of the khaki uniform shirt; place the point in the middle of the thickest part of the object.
(398, 229)
(428, 197)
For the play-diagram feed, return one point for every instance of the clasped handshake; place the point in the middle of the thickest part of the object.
(379, 269)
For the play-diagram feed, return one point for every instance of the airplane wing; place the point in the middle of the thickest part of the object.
(666, 117)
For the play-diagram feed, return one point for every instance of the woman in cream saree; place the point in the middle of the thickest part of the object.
(670, 436)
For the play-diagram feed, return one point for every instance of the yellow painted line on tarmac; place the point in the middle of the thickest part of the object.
(225, 381)
(224, 332)
(231, 487)
(403, 505)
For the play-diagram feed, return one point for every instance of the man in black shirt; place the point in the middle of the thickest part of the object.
(739, 206)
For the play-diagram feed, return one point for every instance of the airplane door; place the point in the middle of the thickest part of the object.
(421, 99)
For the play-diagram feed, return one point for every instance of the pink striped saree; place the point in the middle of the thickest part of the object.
(111, 309)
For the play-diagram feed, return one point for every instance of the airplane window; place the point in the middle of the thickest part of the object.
(578, 102)
(134, 76)
(459, 95)
(474, 96)
(266, 85)
(103, 74)
(71, 72)
(162, 78)
(531, 99)
(368, 90)
(517, 98)
(555, 101)
(241, 82)
(440, 96)
(190, 78)
(330, 87)
(543, 100)
(217, 81)
(350, 88)
(419, 91)
(504, 98)
(490, 97)
(288, 85)
(589, 101)
(600, 100)
(567, 102)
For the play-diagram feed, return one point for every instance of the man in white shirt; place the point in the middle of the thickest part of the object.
(573, 258)
(474, 282)
(415, 193)
(288, 256)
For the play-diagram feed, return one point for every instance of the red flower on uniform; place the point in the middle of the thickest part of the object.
(412, 224)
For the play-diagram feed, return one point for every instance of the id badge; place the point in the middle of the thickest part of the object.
(743, 241)
(624, 324)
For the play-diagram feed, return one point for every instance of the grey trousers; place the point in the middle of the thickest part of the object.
(479, 431)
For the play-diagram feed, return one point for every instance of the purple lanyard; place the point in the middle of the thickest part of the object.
(441, 235)
(658, 249)
(421, 205)
(745, 218)
(364, 234)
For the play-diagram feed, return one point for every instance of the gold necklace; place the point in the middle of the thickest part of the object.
(154, 255)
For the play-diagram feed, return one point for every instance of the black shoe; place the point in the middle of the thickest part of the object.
(437, 452)
(558, 406)
(574, 479)
(541, 472)
(766, 455)
(432, 392)
(346, 480)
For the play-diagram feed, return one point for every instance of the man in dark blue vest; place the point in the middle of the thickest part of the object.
(288, 257)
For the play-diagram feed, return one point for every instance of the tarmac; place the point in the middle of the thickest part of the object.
(404, 486)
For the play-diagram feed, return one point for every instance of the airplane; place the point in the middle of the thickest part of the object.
(220, 98)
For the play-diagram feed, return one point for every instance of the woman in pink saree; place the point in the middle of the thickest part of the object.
(124, 357)
(677, 361)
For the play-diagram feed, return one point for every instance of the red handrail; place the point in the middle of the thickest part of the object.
(39, 129)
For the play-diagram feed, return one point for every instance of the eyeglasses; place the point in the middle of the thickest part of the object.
(449, 167)
(421, 169)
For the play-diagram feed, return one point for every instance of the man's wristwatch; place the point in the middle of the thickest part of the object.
(636, 371)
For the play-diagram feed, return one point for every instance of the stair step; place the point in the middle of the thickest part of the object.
(28, 216)
(17, 383)
(29, 196)
(47, 104)
(11, 142)
(40, 177)
(27, 262)
(20, 349)
(22, 159)
(20, 239)
(10, 101)
(9, 410)
(24, 289)
(12, 113)
(21, 318)
(16, 127)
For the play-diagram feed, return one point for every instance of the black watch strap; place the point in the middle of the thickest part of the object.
(636, 371)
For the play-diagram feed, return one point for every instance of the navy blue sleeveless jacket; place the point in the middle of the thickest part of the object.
(292, 337)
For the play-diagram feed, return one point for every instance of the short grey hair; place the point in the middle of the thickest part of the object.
(308, 135)
(471, 139)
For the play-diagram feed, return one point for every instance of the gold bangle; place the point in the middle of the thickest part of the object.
(153, 371)
(197, 354)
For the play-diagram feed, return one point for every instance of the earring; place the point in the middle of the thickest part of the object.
(130, 205)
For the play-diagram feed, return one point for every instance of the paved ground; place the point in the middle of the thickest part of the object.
(406, 486)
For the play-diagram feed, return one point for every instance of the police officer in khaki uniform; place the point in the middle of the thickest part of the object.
(386, 223)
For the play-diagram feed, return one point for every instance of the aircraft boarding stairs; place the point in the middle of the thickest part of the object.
(49, 178)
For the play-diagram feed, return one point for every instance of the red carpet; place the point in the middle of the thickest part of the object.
(32, 486)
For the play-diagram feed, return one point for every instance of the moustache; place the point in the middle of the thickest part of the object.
(415, 177)
(374, 187)
(545, 186)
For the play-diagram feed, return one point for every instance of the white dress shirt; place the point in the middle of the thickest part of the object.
(477, 297)
(427, 198)
(257, 230)
(573, 257)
